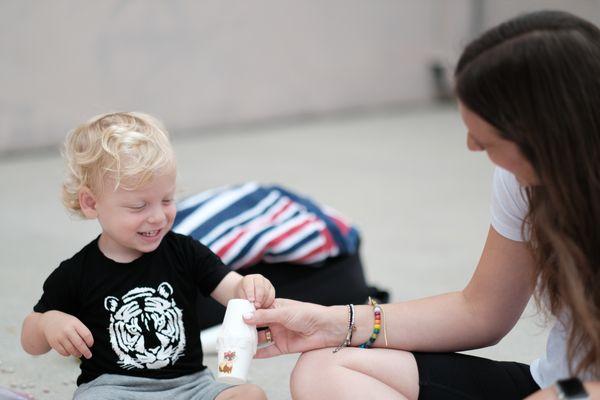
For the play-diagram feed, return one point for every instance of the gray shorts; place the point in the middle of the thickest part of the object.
(198, 386)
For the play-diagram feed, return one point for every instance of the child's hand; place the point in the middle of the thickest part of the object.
(67, 334)
(258, 290)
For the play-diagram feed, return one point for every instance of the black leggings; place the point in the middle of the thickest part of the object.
(339, 280)
(453, 376)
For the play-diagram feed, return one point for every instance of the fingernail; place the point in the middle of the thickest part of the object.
(248, 315)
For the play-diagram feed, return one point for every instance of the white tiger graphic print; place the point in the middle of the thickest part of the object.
(146, 327)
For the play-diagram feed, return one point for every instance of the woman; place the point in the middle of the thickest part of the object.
(529, 95)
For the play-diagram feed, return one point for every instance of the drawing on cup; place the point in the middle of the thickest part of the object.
(226, 365)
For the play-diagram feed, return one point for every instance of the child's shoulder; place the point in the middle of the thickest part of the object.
(71, 269)
(180, 239)
(79, 258)
(185, 243)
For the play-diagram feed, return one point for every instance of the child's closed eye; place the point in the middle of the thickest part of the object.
(137, 207)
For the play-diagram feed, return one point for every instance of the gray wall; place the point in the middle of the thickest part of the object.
(201, 65)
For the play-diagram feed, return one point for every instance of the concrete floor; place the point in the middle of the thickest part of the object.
(406, 179)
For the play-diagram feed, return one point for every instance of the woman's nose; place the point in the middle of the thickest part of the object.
(472, 145)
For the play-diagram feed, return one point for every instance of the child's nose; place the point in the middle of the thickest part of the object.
(156, 217)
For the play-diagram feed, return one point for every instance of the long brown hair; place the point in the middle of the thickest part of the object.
(536, 78)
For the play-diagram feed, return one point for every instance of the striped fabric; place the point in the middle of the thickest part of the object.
(249, 223)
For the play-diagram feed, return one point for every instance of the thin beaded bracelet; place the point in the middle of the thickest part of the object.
(377, 311)
(351, 328)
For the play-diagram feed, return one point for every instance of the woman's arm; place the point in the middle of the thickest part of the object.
(479, 315)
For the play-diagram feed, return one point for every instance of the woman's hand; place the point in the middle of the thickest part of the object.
(66, 334)
(296, 327)
(257, 289)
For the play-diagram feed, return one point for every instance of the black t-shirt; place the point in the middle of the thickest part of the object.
(142, 314)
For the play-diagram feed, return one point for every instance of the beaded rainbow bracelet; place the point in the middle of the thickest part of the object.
(377, 311)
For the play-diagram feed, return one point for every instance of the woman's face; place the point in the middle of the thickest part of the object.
(481, 136)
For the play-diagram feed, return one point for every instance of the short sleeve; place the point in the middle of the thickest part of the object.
(56, 293)
(207, 268)
(509, 206)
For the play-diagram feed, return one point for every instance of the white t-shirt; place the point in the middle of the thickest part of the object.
(509, 207)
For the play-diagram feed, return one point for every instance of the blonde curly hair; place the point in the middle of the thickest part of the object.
(128, 147)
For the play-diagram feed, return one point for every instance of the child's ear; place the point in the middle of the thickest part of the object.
(87, 202)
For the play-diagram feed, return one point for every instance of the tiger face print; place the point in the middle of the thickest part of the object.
(146, 327)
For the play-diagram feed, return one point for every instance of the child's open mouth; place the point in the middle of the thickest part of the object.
(150, 234)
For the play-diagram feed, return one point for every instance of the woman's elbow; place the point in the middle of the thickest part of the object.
(495, 334)
(494, 340)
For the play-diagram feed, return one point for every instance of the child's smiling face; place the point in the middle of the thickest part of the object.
(133, 221)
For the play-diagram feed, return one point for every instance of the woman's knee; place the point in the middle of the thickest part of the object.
(308, 362)
(312, 368)
(318, 372)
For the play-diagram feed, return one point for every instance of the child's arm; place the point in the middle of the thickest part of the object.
(255, 288)
(57, 330)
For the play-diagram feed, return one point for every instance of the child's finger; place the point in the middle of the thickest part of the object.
(270, 297)
(268, 287)
(70, 349)
(248, 287)
(60, 349)
(259, 292)
(85, 334)
(79, 344)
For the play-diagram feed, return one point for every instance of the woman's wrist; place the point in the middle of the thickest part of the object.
(363, 316)
(335, 325)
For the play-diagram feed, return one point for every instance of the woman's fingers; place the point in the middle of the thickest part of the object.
(269, 351)
(267, 347)
(281, 311)
(267, 316)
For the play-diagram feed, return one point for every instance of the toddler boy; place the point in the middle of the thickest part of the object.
(126, 302)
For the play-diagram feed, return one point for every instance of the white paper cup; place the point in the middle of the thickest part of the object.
(236, 343)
